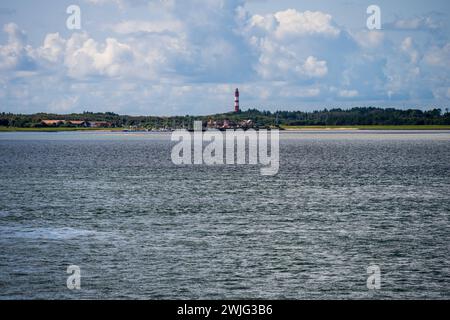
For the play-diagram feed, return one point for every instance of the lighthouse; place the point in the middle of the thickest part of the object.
(236, 101)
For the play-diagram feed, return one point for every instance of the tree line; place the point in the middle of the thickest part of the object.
(325, 117)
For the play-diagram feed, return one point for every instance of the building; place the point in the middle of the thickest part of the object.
(52, 122)
(99, 124)
(76, 123)
(236, 101)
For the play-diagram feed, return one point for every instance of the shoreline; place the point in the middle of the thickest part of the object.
(367, 127)
(283, 128)
(59, 129)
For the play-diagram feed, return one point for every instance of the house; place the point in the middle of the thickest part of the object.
(99, 124)
(53, 122)
(78, 123)
(246, 124)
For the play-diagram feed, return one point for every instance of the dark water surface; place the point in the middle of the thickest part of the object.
(140, 227)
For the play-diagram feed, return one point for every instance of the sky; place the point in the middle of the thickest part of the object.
(186, 57)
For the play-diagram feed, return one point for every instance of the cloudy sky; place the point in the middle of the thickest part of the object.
(167, 57)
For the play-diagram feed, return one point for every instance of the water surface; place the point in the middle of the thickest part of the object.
(140, 227)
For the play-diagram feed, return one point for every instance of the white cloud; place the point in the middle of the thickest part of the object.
(112, 59)
(64, 104)
(120, 3)
(279, 62)
(369, 39)
(408, 47)
(280, 40)
(136, 26)
(314, 68)
(438, 56)
(15, 55)
(267, 23)
(441, 93)
(416, 23)
(80, 56)
(348, 93)
(53, 48)
(300, 92)
(294, 23)
(142, 50)
(15, 35)
(133, 3)
(98, 2)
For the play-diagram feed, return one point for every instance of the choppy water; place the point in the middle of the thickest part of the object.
(140, 227)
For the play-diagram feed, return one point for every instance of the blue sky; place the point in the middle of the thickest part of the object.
(167, 57)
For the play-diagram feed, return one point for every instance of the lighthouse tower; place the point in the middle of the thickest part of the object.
(236, 101)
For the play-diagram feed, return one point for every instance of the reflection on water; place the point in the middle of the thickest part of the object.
(24, 232)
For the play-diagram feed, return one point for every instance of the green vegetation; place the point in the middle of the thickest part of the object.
(358, 118)
(284, 127)
(54, 129)
(371, 127)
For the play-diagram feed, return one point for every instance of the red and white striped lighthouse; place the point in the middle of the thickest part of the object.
(236, 100)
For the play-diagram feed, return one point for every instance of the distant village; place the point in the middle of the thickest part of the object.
(76, 123)
(229, 124)
(222, 124)
(211, 124)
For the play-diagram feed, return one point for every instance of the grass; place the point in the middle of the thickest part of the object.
(56, 129)
(371, 127)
